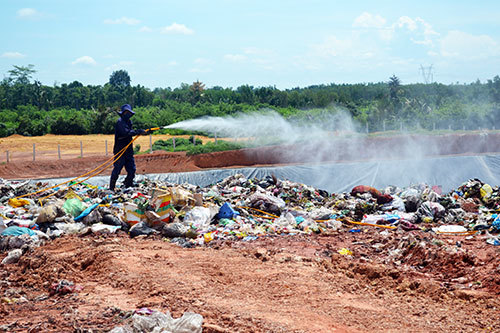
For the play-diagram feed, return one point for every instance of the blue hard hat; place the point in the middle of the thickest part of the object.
(126, 107)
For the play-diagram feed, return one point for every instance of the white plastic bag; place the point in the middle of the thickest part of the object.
(198, 217)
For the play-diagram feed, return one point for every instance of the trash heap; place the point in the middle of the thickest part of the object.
(236, 208)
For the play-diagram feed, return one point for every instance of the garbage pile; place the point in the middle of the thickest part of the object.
(236, 208)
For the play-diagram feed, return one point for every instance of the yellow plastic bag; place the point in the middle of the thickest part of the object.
(345, 252)
(486, 192)
(18, 202)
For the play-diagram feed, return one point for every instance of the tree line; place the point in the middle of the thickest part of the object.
(28, 107)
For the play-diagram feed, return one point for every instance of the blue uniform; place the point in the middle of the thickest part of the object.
(123, 136)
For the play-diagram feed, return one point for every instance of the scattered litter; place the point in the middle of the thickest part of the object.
(345, 252)
(12, 257)
(64, 287)
(145, 321)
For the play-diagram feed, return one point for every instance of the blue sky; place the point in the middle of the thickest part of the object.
(260, 42)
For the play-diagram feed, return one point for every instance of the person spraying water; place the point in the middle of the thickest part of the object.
(123, 137)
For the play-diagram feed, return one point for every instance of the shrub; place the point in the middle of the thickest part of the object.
(212, 147)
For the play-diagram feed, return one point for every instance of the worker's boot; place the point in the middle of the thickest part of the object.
(128, 182)
(112, 184)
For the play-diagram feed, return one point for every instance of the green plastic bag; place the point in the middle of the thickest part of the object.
(73, 207)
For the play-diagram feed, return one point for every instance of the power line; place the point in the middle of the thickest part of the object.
(427, 73)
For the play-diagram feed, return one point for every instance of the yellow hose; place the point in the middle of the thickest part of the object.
(103, 167)
(258, 210)
(372, 225)
(90, 174)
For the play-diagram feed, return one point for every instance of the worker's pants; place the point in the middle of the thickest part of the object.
(129, 163)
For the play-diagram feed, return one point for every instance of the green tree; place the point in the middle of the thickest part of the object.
(394, 87)
(22, 74)
(197, 91)
(120, 79)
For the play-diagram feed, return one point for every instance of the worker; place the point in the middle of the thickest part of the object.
(123, 136)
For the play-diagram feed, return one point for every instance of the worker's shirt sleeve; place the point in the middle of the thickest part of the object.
(124, 129)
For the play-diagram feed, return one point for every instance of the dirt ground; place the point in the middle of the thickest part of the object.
(394, 281)
(273, 284)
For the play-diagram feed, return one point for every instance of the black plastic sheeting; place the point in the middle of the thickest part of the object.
(448, 172)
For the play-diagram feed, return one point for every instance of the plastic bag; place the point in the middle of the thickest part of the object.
(100, 227)
(181, 197)
(18, 202)
(70, 228)
(173, 230)
(86, 212)
(49, 214)
(450, 229)
(227, 212)
(198, 217)
(17, 231)
(12, 257)
(141, 228)
(396, 204)
(486, 192)
(431, 209)
(73, 207)
(266, 202)
(163, 322)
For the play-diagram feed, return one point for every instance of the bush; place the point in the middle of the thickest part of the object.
(137, 149)
(181, 144)
(212, 147)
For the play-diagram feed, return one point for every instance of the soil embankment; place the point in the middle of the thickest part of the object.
(49, 166)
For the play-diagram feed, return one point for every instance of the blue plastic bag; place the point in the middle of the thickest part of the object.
(86, 212)
(17, 231)
(227, 212)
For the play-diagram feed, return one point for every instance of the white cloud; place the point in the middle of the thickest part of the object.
(203, 61)
(27, 13)
(235, 57)
(428, 31)
(173, 63)
(13, 55)
(458, 44)
(377, 23)
(367, 20)
(85, 60)
(406, 22)
(145, 29)
(122, 20)
(176, 28)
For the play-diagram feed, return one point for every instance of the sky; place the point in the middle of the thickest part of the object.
(230, 43)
